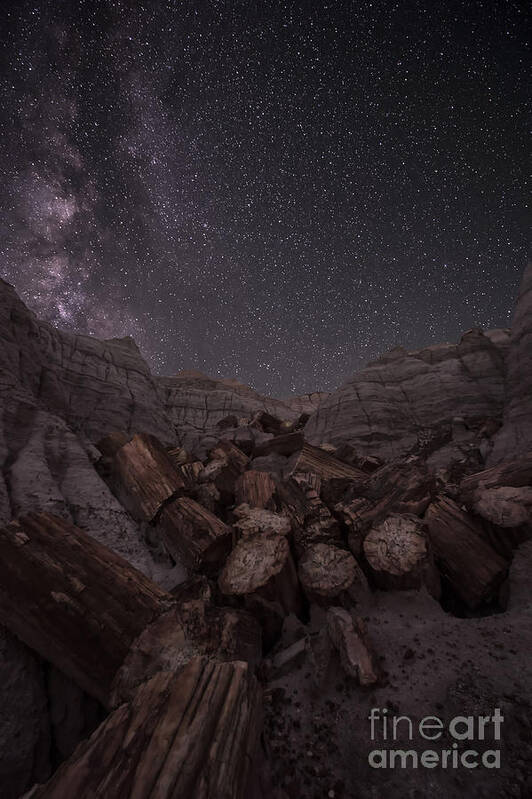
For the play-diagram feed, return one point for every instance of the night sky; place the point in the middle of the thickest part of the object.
(277, 192)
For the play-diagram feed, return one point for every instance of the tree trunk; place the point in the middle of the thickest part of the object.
(142, 476)
(193, 734)
(193, 535)
(317, 460)
(516, 473)
(75, 602)
(464, 557)
(399, 556)
(255, 489)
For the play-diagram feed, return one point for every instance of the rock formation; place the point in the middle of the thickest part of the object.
(405, 402)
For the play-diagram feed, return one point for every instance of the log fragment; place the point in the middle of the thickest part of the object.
(193, 535)
(349, 636)
(72, 600)
(143, 476)
(255, 489)
(462, 553)
(192, 734)
(398, 554)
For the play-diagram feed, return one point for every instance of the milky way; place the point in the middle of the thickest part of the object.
(276, 192)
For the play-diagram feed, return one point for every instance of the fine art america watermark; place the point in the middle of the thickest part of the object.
(461, 732)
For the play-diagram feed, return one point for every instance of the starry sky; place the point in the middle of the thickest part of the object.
(272, 191)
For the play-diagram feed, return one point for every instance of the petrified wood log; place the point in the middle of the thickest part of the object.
(192, 734)
(72, 600)
(464, 557)
(263, 564)
(143, 476)
(192, 628)
(191, 473)
(360, 515)
(226, 450)
(255, 489)
(226, 464)
(327, 572)
(399, 556)
(252, 521)
(317, 460)
(516, 473)
(510, 510)
(318, 525)
(193, 535)
(349, 636)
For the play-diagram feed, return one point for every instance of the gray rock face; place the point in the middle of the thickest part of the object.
(399, 402)
(100, 386)
(306, 403)
(195, 403)
(515, 436)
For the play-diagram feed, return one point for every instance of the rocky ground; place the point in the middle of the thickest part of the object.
(205, 592)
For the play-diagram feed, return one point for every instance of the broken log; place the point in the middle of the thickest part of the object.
(515, 473)
(192, 734)
(399, 556)
(262, 564)
(323, 463)
(73, 600)
(193, 535)
(463, 555)
(226, 464)
(349, 636)
(143, 476)
(191, 629)
(327, 572)
(258, 521)
(255, 489)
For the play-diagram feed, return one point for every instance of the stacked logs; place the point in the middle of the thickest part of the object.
(259, 544)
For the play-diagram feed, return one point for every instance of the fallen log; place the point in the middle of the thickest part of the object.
(226, 464)
(463, 555)
(252, 521)
(317, 460)
(192, 734)
(72, 600)
(193, 535)
(399, 556)
(142, 476)
(255, 489)
(327, 572)
(262, 564)
(515, 473)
